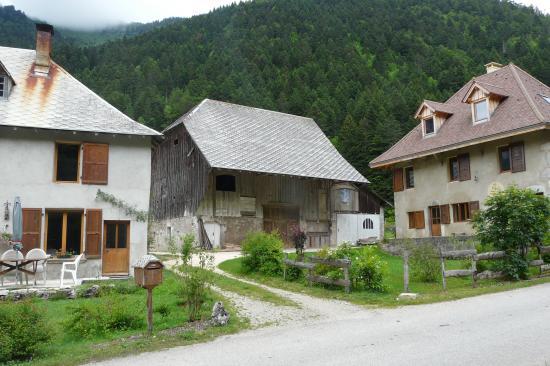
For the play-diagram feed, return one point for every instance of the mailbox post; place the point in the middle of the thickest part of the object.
(148, 274)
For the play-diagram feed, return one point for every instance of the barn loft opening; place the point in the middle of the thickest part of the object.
(226, 183)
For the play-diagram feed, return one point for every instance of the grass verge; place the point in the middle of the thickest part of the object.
(457, 288)
(68, 349)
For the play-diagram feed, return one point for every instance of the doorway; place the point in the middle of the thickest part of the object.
(435, 220)
(116, 247)
(63, 232)
(283, 219)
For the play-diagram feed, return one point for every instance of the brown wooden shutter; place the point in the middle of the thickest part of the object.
(95, 163)
(398, 185)
(464, 167)
(474, 207)
(445, 214)
(412, 224)
(455, 212)
(517, 157)
(32, 227)
(93, 231)
(419, 219)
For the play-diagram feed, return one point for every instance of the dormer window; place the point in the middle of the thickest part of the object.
(429, 126)
(481, 111)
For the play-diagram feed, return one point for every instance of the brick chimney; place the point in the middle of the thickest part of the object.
(492, 66)
(44, 34)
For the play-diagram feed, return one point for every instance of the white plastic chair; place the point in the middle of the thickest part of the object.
(71, 271)
(40, 266)
(12, 255)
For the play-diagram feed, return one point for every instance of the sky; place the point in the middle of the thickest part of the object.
(90, 14)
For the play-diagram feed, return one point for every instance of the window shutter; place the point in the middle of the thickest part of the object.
(95, 163)
(517, 157)
(93, 231)
(445, 214)
(464, 167)
(455, 212)
(398, 180)
(474, 207)
(32, 227)
(412, 224)
(419, 219)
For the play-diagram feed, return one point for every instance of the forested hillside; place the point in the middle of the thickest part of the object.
(359, 68)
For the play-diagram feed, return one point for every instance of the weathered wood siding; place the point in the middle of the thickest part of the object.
(310, 195)
(179, 176)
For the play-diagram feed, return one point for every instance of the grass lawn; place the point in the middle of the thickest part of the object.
(68, 349)
(457, 288)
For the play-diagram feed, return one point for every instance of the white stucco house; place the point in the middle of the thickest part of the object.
(59, 144)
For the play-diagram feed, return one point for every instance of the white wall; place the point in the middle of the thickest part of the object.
(27, 170)
(432, 186)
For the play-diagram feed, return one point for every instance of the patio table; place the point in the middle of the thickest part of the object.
(19, 265)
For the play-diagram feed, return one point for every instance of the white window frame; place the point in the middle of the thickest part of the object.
(474, 114)
(432, 117)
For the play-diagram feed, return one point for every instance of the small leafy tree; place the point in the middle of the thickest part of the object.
(196, 283)
(188, 243)
(425, 265)
(514, 220)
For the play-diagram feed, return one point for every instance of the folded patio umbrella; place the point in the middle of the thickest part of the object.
(17, 234)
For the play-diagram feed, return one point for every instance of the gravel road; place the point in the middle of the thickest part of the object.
(508, 328)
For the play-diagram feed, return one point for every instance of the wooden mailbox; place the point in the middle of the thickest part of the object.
(148, 274)
(148, 271)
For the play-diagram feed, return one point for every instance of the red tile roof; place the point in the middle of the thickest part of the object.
(523, 110)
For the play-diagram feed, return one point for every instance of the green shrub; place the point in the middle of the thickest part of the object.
(188, 243)
(514, 220)
(163, 310)
(367, 268)
(92, 319)
(262, 252)
(24, 332)
(293, 273)
(424, 263)
(194, 290)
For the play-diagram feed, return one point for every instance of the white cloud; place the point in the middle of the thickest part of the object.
(100, 13)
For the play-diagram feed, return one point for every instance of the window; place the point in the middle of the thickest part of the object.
(116, 234)
(3, 87)
(453, 169)
(512, 158)
(461, 212)
(504, 158)
(67, 156)
(416, 220)
(226, 183)
(546, 98)
(409, 177)
(368, 224)
(345, 195)
(429, 126)
(459, 168)
(481, 111)
(63, 232)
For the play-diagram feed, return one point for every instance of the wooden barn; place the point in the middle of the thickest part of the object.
(223, 170)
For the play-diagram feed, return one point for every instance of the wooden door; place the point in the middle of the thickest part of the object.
(116, 247)
(32, 228)
(282, 219)
(435, 220)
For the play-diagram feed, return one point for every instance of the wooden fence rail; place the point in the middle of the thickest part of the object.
(313, 262)
(475, 257)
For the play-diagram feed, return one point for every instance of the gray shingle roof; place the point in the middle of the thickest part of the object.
(237, 137)
(58, 102)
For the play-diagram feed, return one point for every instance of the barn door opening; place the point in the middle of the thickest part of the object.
(283, 219)
(435, 220)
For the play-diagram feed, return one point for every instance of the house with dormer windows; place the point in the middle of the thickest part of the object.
(492, 133)
(60, 143)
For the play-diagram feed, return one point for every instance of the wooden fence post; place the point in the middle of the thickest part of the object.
(284, 266)
(406, 270)
(346, 276)
(474, 270)
(443, 279)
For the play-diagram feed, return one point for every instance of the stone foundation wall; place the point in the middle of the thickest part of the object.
(446, 243)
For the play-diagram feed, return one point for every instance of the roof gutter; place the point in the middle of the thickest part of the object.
(532, 128)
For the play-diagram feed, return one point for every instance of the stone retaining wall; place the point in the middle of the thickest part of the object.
(447, 243)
